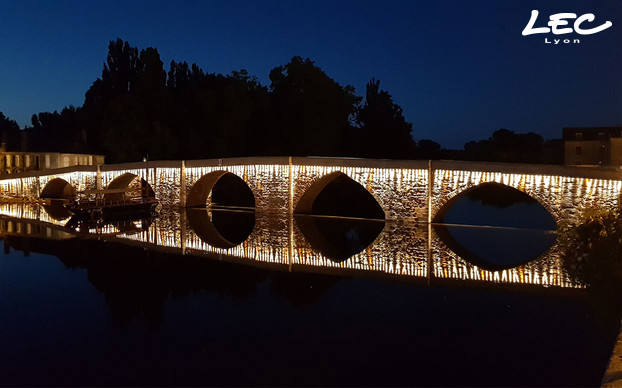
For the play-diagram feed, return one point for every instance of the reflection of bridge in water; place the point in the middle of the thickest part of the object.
(411, 194)
(404, 250)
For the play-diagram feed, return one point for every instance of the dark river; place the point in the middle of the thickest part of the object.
(229, 298)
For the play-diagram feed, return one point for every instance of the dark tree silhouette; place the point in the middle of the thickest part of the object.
(9, 132)
(136, 109)
(428, 149)
(311, 112)
(385, 132)
(507, 146)
(121, 69)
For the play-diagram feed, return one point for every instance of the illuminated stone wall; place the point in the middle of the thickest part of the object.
(562, 196)
(400, 187)
(400, 192)
(268, 182)
(30, 187)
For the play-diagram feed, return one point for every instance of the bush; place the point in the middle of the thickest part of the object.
(592, 250)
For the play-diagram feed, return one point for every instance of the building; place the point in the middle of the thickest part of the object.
(12, 162)
(593, 146)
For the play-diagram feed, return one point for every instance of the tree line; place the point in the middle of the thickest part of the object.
(137, 110)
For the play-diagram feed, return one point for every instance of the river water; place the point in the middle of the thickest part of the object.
(229, 297)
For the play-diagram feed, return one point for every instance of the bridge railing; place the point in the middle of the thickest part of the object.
(51, 171)
(599, 172)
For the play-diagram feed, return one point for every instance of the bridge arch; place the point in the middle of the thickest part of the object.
(449, 200)
(57, 188)
(309, 197)
(235, 189)
(129, 180)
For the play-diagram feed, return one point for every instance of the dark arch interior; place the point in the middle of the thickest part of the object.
(221, 228)
(339, 195)
(232, 192)
(57, 188)
(495, 204)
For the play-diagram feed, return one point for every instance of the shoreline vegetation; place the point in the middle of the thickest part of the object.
(137, 110)
(593, 249)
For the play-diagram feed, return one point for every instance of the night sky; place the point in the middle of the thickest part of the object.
(459, 69)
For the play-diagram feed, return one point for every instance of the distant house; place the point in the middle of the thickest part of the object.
(595, 146)
(12, 162)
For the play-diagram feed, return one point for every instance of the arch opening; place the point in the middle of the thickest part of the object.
(339, 217)
(495, 204)
(336, 194)
(221, 189)
(58, 188)
(495, 226)
(140, 187)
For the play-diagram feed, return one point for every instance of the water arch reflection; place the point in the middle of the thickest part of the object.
(408, 250)
(56, 210)
(339, 238)
(126, 227)
(221, 228)
(494, 248)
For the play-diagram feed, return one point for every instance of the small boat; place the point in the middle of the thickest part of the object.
(111, 204)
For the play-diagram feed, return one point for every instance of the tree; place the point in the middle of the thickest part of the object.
(506, 146)
(428, 149)
(10, 132)
(151, 77)
(311, 113)
(121, 68)
(384, 130)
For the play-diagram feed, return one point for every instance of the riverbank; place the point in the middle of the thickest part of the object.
(613, 375)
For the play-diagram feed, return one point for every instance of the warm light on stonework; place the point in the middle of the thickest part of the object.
(406, 247)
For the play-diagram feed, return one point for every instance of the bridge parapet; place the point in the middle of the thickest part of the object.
(405, 189)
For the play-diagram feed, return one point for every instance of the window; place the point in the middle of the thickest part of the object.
(578, 136)
(577, 150)
(602, 136)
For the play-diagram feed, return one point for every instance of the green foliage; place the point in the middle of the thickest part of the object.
(592, 250)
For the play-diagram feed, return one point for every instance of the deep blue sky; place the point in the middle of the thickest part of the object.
(459, 69)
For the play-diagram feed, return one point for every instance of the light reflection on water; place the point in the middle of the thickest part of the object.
(405, 249)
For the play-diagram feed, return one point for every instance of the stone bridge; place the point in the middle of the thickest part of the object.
(419, 191)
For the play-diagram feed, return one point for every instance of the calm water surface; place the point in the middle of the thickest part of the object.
(209, 298)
